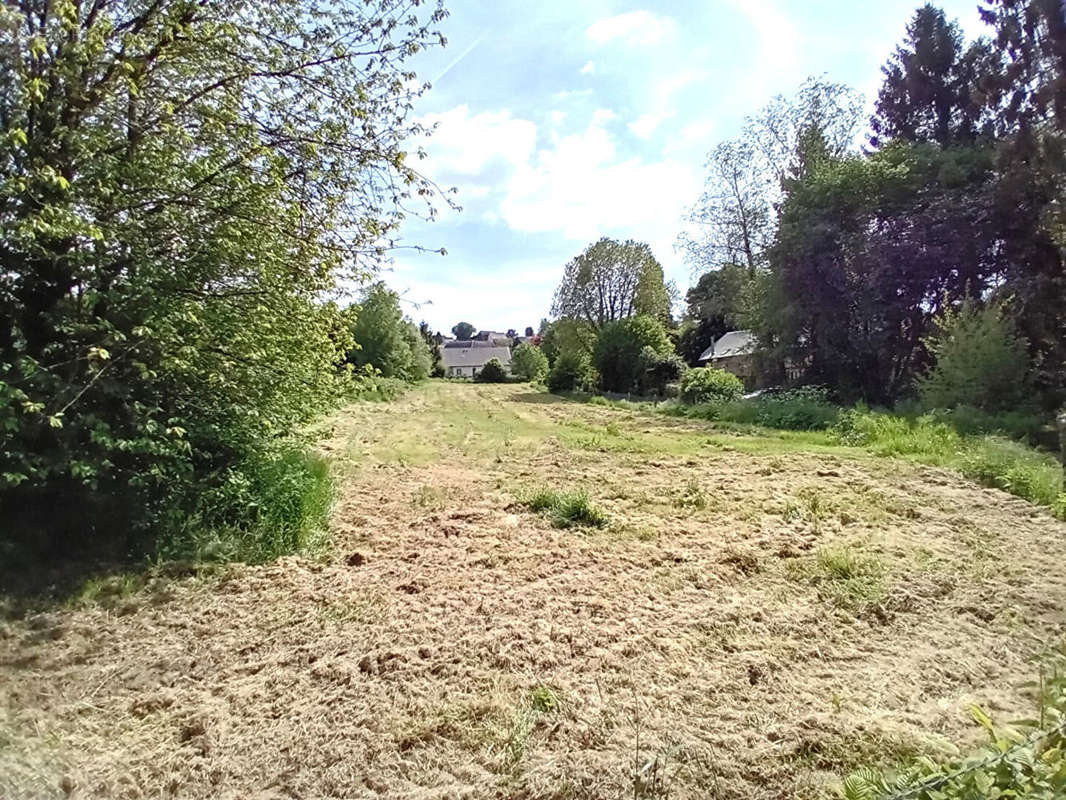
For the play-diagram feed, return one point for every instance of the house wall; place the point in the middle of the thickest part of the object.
(741, 366)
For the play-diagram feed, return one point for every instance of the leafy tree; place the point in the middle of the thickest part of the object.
(980, 360)
(432, 342)
(529, 362)
(572, 371)
(384, 340)
(659, 369)
(565, 336)
(611, 281)
(708, 385)
(180, 185)
(492, 372)
(932, 91)
(733, 215)
(618, 348)
(464, 330)
(529, 331)
(717, 303)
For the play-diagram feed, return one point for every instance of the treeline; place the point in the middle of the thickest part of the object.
(942, 235)
(181, 186)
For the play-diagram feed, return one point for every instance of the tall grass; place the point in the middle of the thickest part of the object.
(276, 505)
(988, 459)
(566, 509)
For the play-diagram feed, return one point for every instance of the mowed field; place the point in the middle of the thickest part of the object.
(760, 614)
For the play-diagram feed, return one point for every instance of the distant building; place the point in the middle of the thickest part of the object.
(734, 352)
(466, 358)
(495, 337)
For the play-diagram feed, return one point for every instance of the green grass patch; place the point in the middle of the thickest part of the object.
(990, 460)
(844, 576)
(566, 509)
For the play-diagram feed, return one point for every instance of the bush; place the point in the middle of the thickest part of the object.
(492, 372)
(705, 385)
(529, 362)
(659, 369)
(263, 509)
(1026, 759)
(980, 361)
(571, 372)
(618, 349)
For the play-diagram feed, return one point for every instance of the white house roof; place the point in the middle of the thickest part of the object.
(474, 356)
(734, 343)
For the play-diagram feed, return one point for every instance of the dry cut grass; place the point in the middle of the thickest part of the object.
(752, 618)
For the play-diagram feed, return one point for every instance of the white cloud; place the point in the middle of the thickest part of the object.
(557, 116)
(570, 94)
(465, 144)
(602, 115)
(588, 69)
(698, 131)
(580, 189)
(645, 125)
(778, 55)
(636, 27)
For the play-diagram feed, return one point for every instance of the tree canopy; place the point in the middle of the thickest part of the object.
(181, 184)
(463, 330)
(610, 281)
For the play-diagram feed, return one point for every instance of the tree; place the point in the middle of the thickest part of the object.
(529, 332)
(733, 216)
(932, 90)
(386, 341)
(529, 363)
(618, 348)
(433, 342)
(566, 336)
(979, 360)
(571, 371)
(492, 372)
(464, 330)
(659, 369)
(610, 281)
(180, 185)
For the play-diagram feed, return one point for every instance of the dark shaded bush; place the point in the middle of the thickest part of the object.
(492, 372)
(617, 353)
(571, 372)
(659, 369)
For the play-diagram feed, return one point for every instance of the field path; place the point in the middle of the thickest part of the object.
(760, 614)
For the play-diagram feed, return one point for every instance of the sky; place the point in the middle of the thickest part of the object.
(562, 121)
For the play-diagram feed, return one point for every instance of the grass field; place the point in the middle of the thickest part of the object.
(530, 597)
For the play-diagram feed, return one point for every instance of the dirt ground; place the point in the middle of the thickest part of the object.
(762, 614)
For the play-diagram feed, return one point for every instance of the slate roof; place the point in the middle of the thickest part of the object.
(734, 343)
(474, 356)
(468, 343)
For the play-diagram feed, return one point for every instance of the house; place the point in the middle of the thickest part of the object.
(465, 358)
(494, 337)
(734, 352)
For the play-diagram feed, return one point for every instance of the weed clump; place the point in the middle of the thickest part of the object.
(566, 509)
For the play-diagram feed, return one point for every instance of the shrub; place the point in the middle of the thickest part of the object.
(618, 348)
(1026, 759)
(980, 361)
(529, 362)
(659, 369)
(570, 372)
(263, 509)
(492, 372)
(705, 385)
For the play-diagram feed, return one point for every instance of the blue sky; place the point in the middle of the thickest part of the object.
(562, 121)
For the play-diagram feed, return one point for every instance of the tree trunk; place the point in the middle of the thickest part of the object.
(1061, 419)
